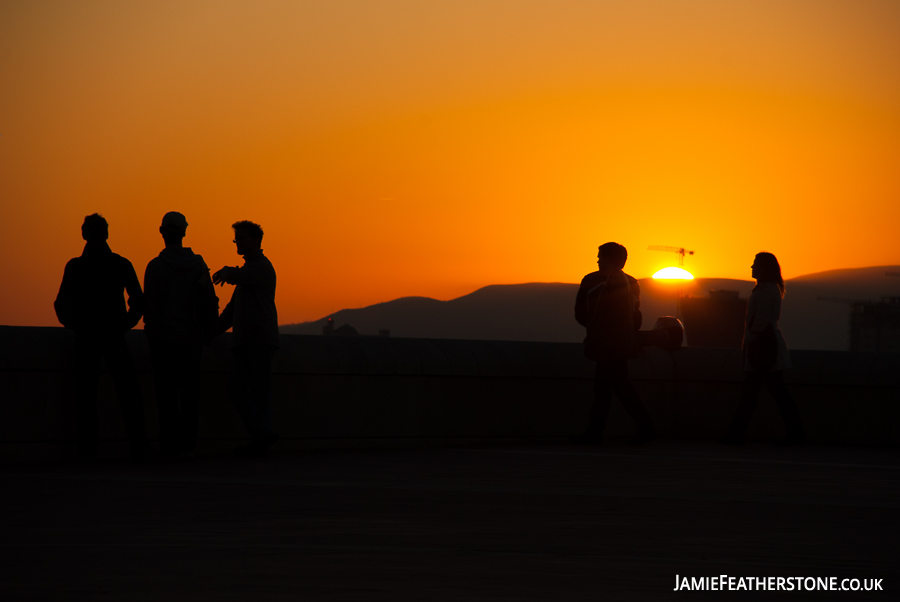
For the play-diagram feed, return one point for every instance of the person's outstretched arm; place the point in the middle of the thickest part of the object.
(254, 273)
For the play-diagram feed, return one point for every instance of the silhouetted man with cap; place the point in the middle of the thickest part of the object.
(608, 306)
(252, 315)
(90, 302)
(181, 313)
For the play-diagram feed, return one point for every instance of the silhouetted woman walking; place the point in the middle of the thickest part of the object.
(765, 353)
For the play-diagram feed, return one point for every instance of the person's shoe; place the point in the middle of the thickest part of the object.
(643, 437)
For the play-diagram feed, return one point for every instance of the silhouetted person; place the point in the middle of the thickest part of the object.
(182, 311)
(608, 305)
(765, 353)
(252, 315)
(90, 302)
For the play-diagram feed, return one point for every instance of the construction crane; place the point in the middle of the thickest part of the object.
(680, 251)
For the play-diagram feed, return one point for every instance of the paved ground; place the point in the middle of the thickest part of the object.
(523, 522)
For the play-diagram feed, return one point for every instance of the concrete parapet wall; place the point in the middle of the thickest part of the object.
(337, 391)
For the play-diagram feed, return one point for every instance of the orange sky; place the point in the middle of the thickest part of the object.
(431, 148)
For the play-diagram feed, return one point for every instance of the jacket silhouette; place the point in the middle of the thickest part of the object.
(181, 303)
(610, 310)
(90, 297)
(251, 312)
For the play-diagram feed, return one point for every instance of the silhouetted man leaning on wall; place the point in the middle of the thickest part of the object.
(182, 311)
(91, 303)
(608, 306)
(252, 314)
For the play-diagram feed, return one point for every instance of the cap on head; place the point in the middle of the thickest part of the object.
(174, 223)
(95, 228)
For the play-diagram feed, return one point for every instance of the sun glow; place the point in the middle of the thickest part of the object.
(673, 274)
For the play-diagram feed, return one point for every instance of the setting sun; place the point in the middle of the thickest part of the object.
(673, 274)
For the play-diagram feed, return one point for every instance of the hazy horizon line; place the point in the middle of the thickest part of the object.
(748, 280)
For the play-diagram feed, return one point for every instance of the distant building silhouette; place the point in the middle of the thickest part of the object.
(875, 325)
(714, 321)
(345, 331)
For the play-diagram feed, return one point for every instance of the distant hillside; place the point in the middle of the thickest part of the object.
(812, 324)
(545, 311)
(514, 312)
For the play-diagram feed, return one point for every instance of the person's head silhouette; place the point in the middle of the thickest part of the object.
(173, 228)
(611, 256)
(247, 236)
(95, 228)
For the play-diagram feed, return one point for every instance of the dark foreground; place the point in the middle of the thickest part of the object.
(520, 522)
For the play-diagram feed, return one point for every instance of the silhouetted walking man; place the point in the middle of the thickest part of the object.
(90, 302)
(252, 314)
(182, 311)
(608, 306)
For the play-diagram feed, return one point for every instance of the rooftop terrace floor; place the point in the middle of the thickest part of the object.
(511, 522)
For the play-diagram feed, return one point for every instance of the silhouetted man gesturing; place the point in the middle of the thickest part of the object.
(252, 314)
(608, 306)
(91, 303)
(182, 311)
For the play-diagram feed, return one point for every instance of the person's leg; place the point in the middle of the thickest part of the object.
(239, 386)
(252, 394)
(631, 401)
(189, 389)
(600, 407)
(165, 379)
(788, 407)
(261, 394)
(124, 376)
(87, 375)
(753, 381)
